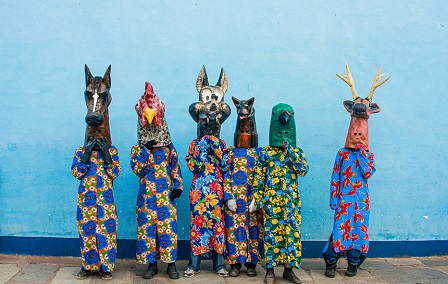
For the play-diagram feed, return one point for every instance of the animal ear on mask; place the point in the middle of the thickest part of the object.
(250, 101)
(236, 102)
(89, 76)
(106, 78)
(222, 81)
(348, 105)
(374, 108)
(202, 80)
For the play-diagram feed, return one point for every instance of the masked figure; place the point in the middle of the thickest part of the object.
(155, 161)
(207, 159)
(96, 165)
(349, 191)
(276, 192)
(244, 229)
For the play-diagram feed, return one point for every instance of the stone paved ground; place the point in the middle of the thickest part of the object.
(15, 269)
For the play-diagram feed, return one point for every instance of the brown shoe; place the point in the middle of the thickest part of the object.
(289, 275)
(251, 272)
(270, 276)
(234, 270)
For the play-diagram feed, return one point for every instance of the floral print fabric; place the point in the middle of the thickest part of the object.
(207, 159)
(349, 197)
(244, 230)
(276, 190)
(96, 212)
(159, 173)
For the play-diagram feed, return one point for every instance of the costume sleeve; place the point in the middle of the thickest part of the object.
(139, 160)
(259, 181)
(195, 157)
(335, 182)
(297, 159)
(228, 178)
(176, 174)
(366, 163)
(113, 170)
(79, 169)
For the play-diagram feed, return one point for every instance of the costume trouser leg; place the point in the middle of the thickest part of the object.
(331, 256)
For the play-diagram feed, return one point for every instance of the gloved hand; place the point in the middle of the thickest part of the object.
(176, 193)
(104, 147)
(91, 142)
(252, 207)
(231, 204)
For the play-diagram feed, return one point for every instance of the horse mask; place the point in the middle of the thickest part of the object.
(211, 110)
(283, 126)
(152, 127)
(98, 99)
(246, 135)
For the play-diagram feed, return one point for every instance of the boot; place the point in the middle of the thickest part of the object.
(270, 276)
(351, 269)
(172, 271)
(235, 270)
(152, 270)
(251, 272)
(289, 275)
(330, 269)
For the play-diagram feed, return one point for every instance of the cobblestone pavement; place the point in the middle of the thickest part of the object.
(15, 269)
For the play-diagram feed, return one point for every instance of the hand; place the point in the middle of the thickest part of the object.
(231, 204)
(91, 142)
(285, 145)
(104, 147)
(176, 193)
(252, 207)
(359, 147)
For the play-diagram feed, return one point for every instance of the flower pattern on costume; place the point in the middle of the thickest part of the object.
(349, 197)
(207, 159)
(276, 189)
(159, 173)
(96, 212)
(244, 230)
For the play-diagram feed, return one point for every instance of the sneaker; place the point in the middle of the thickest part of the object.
(222, 272)
(190, 272)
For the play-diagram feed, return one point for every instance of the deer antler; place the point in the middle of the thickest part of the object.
(376, 84)
(349, 80)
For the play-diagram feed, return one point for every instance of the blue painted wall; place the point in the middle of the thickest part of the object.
(277, 52)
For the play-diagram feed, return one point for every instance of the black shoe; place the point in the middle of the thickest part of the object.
(82, 274)
(289, 275)
(351, 269)
(251, 272)
(235, 270)
(270, 276)
(152, 270)
(105, 275)
(330, 270)
(172, 271)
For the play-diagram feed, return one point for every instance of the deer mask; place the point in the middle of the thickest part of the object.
(152, 127)
(360, 110)
(283, 126)
(98, 99)
(246, 135)
(211, 110)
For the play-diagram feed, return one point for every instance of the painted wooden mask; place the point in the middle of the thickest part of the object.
(211, 110)
(152, 127)
(246, 135)
(98, 99)
(283, 126)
